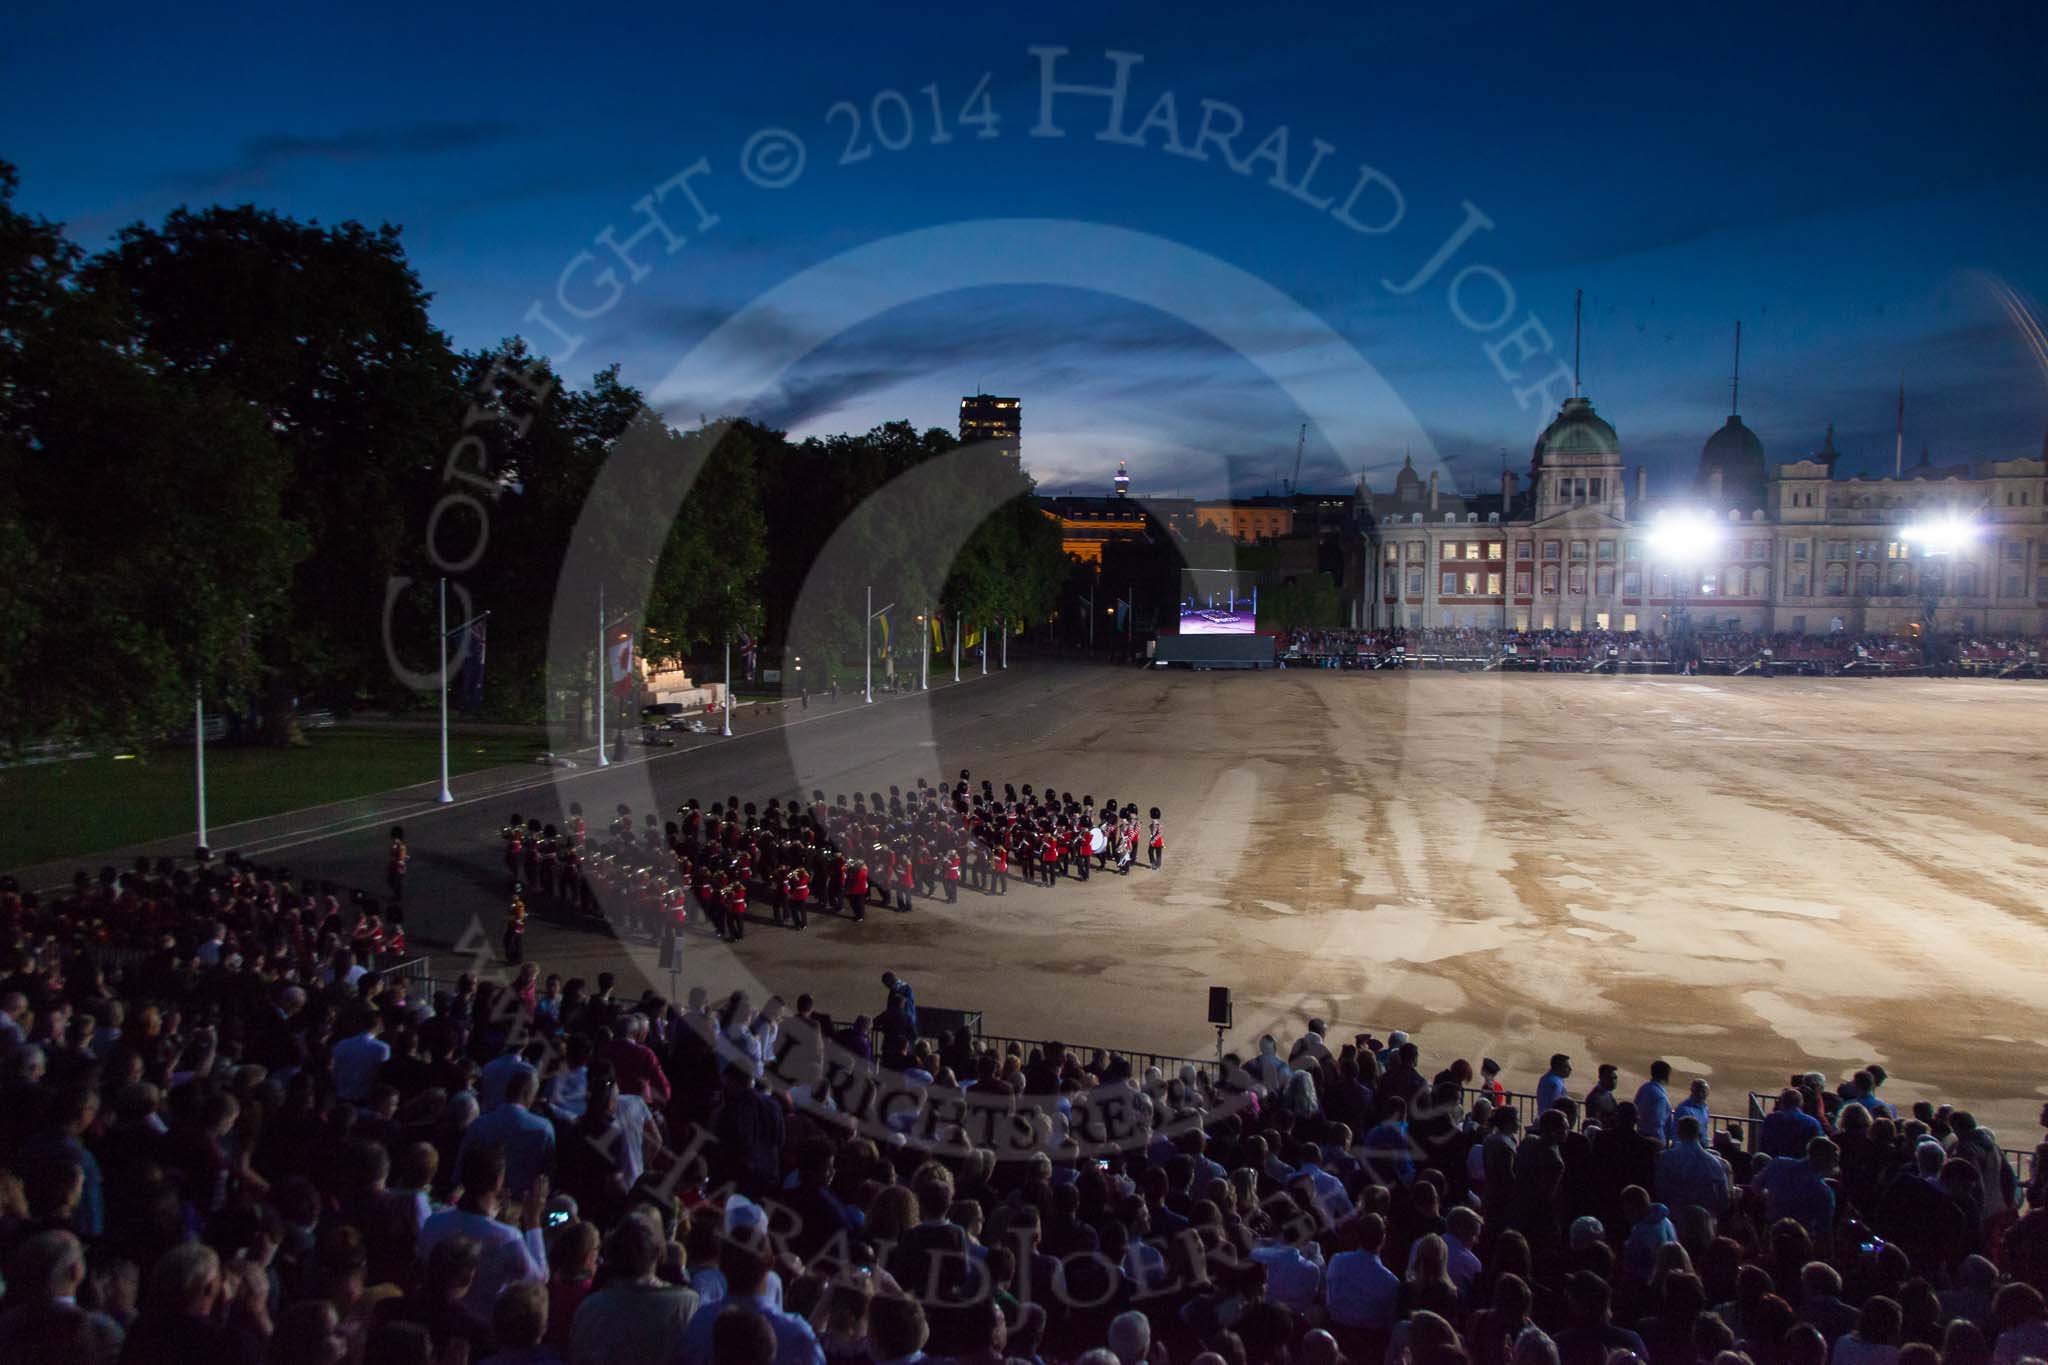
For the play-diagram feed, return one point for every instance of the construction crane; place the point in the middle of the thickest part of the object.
(1301, 441)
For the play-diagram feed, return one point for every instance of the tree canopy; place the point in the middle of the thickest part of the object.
(238, 453)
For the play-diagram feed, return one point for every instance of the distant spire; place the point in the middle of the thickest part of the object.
(1827, 444)
(1899, 449)
(1578, 302)
(1735, 386)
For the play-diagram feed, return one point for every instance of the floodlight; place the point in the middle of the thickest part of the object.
(1684, 536)
(1942, 536)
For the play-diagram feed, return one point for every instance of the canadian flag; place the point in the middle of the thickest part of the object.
(622, 665)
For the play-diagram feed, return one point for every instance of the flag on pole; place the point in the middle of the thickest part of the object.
(469, 685)
(973, 636)
(621, 652)
(750, 653)
(938, 635)
(882, 629)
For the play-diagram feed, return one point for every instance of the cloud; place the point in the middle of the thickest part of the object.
(261, 157)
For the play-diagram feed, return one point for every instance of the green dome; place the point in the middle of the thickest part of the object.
(1577, 430)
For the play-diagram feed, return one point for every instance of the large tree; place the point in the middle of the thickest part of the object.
(141, 544)
(323, 333)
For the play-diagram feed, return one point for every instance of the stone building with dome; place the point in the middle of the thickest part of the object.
(1799, 549)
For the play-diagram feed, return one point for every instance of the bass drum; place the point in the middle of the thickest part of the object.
(1098, 842)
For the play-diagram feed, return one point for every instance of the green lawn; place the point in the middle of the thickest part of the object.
(60, 810)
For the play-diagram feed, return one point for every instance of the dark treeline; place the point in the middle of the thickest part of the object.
(224, 438)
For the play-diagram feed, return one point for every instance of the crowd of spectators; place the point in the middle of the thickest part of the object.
(231, 1151)
(1581, 650)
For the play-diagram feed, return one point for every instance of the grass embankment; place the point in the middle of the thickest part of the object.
(68, 809)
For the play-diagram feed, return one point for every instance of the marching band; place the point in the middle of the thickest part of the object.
(648, 877)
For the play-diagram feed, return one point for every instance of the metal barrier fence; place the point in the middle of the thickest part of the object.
(2020, 1162)
(1169, 1065)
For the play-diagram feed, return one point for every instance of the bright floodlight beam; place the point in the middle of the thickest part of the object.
(1684, 535)
(1942, 536)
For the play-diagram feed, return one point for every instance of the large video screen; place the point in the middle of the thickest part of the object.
(1218, 602)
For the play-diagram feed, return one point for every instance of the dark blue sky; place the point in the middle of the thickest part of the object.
(1865, 191)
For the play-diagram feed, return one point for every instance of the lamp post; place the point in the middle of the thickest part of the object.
(1942, 538)
(603, 760)
(868, 643)
(1683, 540)
(199, 755)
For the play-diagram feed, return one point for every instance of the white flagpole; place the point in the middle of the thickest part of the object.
(867, 640)
(984, 649)
(604, 668)
(199, 754)
(956, 648)
(924, 655)
(446, 796)
(727, 731)
(1006, 642)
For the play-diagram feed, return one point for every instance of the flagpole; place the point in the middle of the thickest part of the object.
(924, 661)
(603, 667)
(984, 649)
(1006, 642)
(727, 731)
(199, 754)
(956, 647)
(867, 641)
(446, 796)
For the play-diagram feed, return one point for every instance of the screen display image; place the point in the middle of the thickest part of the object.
(1218, 614)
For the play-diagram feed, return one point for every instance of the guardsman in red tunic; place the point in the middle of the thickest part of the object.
(799, 897)
(515, 928)
(576, 829)
(952, 875)
(709, 900)
(515, 847)
(1048, 856)
(906, 880)
(1156, 846)
(857, 889)
(736, 908)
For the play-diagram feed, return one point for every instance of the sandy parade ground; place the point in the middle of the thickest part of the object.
(1745, 876)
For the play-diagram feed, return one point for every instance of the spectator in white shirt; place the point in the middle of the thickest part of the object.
(358, 1057)
(510, 1254)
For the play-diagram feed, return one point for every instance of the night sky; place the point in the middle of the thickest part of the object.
(1865, 192)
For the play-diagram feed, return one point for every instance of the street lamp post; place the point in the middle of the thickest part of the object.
(199, 754)
(868, 643)
(1942, 538)
(603, 759)
(1683, 540)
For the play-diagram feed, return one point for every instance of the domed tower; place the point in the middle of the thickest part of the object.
(1407, 483)
(1577, 462)
(1732, 467)
(1732, 471)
